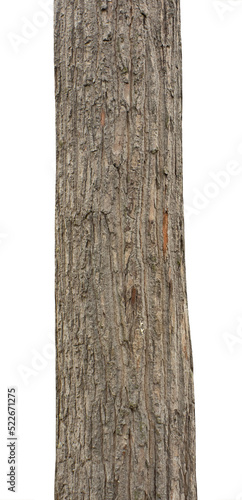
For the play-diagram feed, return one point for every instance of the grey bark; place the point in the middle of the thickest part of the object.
(124, 372)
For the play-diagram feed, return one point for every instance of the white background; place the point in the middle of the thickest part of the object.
(212, 139)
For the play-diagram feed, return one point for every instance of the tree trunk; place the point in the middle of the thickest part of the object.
(124, 373)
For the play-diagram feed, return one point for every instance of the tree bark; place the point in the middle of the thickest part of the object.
(124, 371)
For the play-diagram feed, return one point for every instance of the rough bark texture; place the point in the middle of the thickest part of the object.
(125, 400)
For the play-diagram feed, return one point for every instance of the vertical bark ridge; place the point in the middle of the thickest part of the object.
(125, 403)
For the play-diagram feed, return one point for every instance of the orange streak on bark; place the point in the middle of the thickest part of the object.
(185, 351)
(133, 296)
(165, 232)
(102, 117)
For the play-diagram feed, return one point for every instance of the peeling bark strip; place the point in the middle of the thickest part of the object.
(124, 375)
